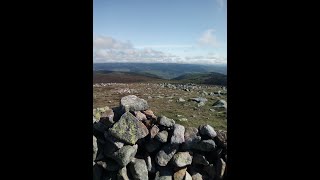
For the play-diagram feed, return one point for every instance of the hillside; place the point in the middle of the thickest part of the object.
(163, 70)
(203, 78)
(123, 77)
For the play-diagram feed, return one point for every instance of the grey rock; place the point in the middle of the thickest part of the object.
(129, 129)
(198, 176)
(199, 99)
(182, 159)
(106, 117)
(150, 164)
(181, 100)
(220, 104)
(95, 148)
(122, 174)
(154, 131)
(207, 130)
(133, 103)
(164, 121)
(124, 155)
(140, 116)
(199, 159)
(187, 176)
(191, 137)
(113, 140)
(178, 134)
(162, 136)
(165, 154)
(205, 145)
(109, 165)
(221, 166)
(180, 174)
(138, 169)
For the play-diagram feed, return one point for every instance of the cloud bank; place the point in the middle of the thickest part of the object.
(108, 49)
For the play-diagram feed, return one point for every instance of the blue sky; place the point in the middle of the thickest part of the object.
(180, 31)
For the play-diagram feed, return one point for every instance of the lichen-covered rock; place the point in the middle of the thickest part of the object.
(205, 145)
(178, 134)
(138, 169)
(191, 137)
(182, 159)
(124, 155)
(165, 154)
(180, 174)
(164, 121)
(129, 129)
(207, 130)
(162, 136)
(133, 103)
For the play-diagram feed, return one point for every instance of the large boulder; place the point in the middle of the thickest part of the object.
(138, 169)
(133, 103)
(124, 155)
(129, 129)
(182, 159)
(165, 154)
(178, 134)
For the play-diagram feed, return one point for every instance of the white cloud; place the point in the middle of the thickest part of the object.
(107, 49)
(208, 39)
(104, 42)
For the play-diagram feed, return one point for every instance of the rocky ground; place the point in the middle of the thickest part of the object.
(187, 104)
(130, 141)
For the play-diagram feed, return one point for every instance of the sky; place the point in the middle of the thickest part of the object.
(160, 31)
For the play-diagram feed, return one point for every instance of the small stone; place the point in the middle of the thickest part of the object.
(138, 169)
(162, 136)
(221, 166)
(124, 155)
(154, 131)
(207, 130)
(140, 116)
(150, 164)
(180, 174)
(165, 154)
(164, 121)
(178, 134)
(182, 159)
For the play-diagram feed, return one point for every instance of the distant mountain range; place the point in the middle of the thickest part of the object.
(203, 78)
(162, 70)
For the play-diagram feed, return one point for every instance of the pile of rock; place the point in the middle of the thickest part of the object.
(130, 142)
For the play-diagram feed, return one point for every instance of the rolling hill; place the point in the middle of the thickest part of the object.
(203, 78)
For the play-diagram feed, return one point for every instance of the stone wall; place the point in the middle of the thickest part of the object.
(131, 142)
